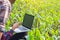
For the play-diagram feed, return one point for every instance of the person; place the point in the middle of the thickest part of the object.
(5, 9)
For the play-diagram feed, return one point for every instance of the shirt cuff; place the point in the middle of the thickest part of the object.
(11, 31)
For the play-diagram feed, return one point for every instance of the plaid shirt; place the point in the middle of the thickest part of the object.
(7, 35)
(5, 9)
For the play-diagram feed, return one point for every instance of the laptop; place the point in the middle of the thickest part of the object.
(26, 25)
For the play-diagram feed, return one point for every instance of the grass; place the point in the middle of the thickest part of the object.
(47, 17)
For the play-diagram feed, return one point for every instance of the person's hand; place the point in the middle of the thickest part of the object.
(15, 25)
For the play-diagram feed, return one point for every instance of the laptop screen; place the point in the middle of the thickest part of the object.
(28, 21)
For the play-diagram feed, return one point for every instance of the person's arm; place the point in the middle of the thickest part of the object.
(10, 33)
(8, 9)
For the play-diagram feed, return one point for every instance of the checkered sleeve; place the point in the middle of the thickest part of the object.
(8, 8)
(9, 34)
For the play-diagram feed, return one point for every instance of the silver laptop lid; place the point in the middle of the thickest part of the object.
(28, 21)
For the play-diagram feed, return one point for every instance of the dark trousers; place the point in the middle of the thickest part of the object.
(19, 36)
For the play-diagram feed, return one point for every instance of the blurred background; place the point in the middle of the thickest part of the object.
(46, 24)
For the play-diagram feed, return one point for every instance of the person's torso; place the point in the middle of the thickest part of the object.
(3, 7)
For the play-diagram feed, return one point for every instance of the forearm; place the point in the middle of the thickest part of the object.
(9, 34)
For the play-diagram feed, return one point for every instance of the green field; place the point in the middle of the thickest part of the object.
(47, 18)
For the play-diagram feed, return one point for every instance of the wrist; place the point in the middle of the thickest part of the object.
(13, 28)
(12, 31)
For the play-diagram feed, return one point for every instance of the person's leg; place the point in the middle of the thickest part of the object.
(18, 36)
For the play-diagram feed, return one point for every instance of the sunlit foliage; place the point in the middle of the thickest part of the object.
(47, 17)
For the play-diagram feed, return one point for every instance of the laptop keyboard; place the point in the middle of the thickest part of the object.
(23, 28)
